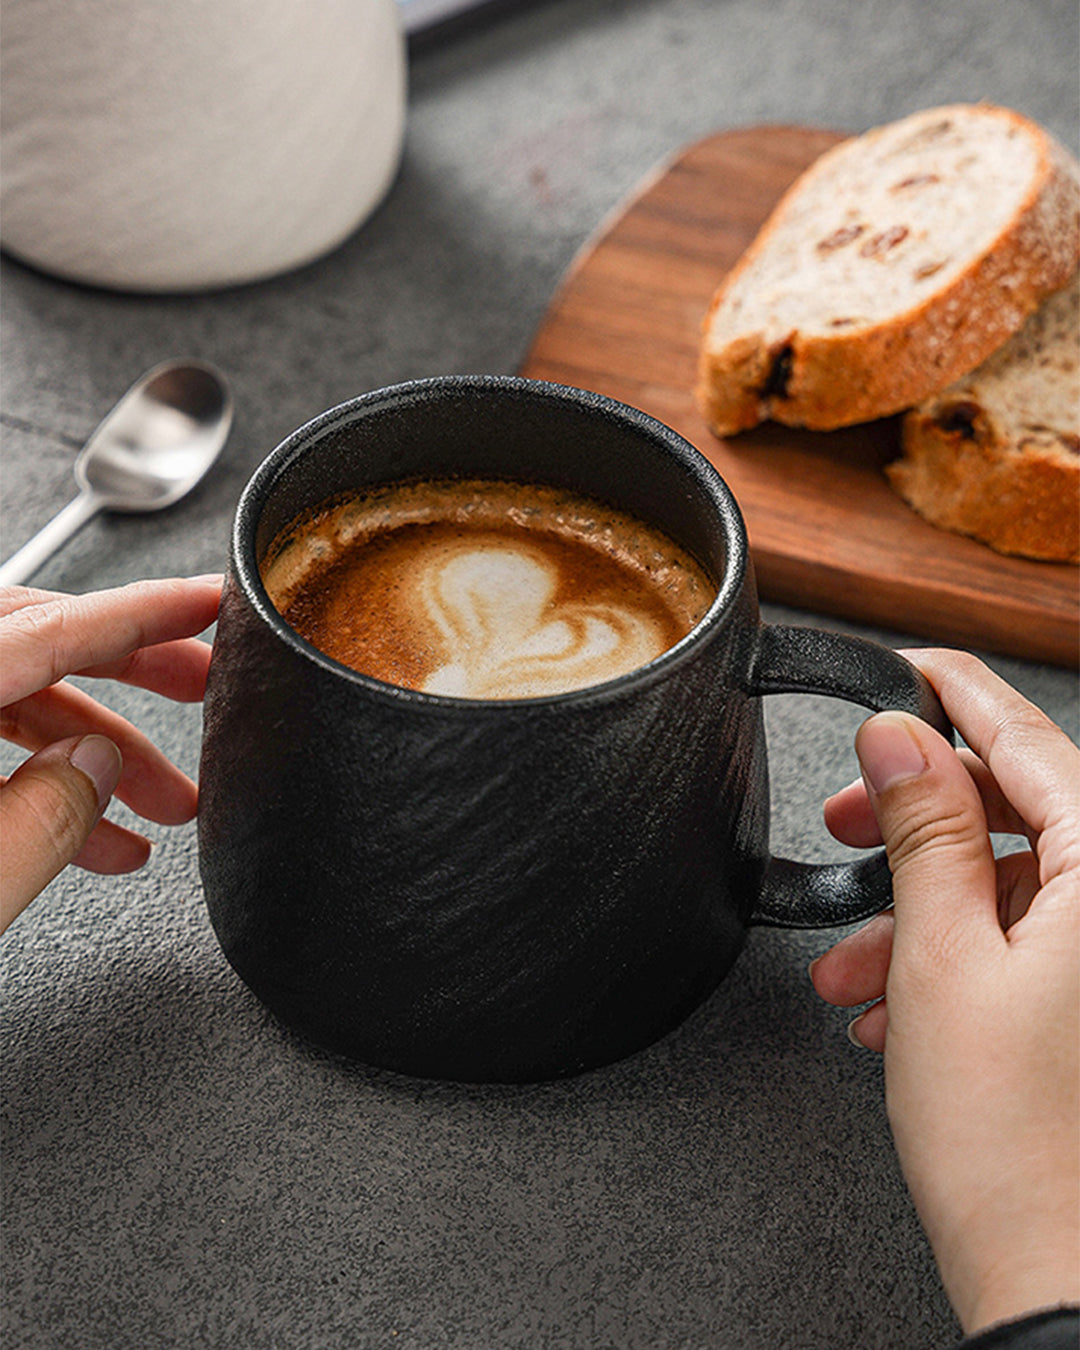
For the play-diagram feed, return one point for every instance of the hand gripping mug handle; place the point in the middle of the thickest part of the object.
(812, 661)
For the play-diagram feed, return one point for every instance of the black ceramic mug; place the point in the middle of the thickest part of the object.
(523, 889)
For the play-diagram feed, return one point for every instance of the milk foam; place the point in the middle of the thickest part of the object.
(483, 589)
(493, 604)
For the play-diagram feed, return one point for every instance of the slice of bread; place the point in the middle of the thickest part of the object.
(897, 262)
(997, 454)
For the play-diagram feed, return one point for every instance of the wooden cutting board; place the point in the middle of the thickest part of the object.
(826, 530)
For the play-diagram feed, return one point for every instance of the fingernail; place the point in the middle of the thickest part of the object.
(100, 760)
(810, 967)
(216, 577)
(888, 751)
(853, 1034)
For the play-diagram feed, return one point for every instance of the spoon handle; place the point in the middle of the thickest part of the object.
(25, 562)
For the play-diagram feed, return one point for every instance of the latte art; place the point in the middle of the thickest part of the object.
(495, 607)
(484, 590)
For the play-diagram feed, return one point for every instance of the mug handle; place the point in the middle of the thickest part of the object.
(813, 661)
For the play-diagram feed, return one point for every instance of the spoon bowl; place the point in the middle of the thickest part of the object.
(150, 450)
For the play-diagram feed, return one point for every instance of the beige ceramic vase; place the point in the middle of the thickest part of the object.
(197, 143)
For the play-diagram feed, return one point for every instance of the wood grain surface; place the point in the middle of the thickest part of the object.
(826, 530)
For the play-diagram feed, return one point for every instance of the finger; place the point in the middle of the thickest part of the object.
(176, 670)
(869, 1028)
(48, 808)
(932, 820)
(111, 849)
(1018, 885)
(1034, 763)
(150, 784)
(42, 642)
(850, 818)
(13, 598)
(18, 597)
(855, 969)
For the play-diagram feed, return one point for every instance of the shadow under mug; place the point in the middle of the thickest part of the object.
(516, 890)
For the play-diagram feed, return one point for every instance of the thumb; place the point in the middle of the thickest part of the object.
(48, 808)
(932, 820)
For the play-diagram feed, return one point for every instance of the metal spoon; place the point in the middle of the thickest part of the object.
(149, 451)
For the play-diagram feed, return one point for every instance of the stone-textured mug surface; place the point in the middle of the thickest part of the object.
(520, 889)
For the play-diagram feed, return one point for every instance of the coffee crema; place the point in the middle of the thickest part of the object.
(484, 589)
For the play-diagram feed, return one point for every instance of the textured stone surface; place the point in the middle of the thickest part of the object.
(178, 1170)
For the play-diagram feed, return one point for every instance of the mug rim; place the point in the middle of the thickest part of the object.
(245, 564)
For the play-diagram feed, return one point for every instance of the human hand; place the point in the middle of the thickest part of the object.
(52, 805)
(974, 979)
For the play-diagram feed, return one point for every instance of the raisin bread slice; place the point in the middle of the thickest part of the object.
(898, 261)
(997, 454)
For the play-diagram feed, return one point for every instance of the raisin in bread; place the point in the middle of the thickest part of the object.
(997, 454)
(898, 261)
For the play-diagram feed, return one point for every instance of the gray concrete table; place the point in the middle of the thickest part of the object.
(181, 1171)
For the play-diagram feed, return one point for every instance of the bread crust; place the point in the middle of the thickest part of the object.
(1025, 503)
(996, 455)
(823, 382)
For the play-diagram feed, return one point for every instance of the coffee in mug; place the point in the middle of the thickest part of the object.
(495, 888)
(484, 589)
